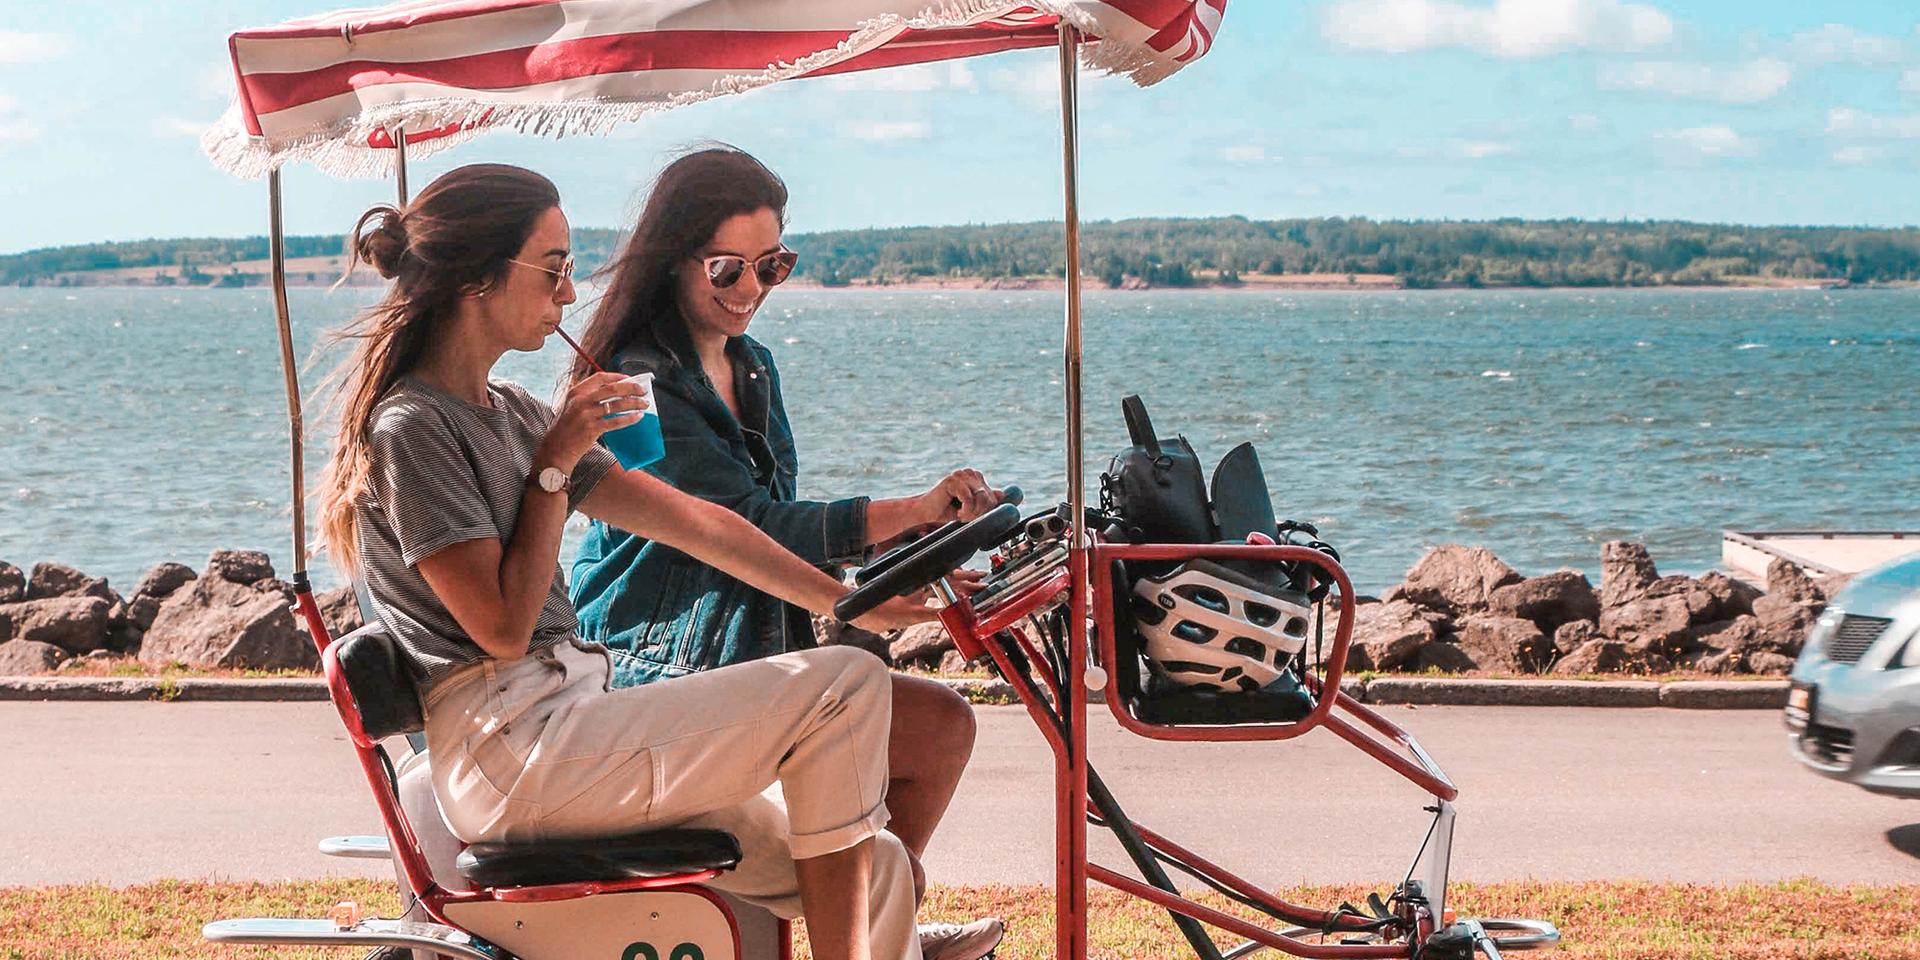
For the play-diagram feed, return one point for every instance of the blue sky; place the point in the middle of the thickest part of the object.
(1466, 109)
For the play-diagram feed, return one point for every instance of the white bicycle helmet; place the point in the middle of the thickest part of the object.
(1205, 625)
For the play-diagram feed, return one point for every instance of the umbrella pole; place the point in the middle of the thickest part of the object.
(296, 426)
(1070, 828)
(399, 133)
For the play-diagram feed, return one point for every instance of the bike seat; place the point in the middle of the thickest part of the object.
(656, 853)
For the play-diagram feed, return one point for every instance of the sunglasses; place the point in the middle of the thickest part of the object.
(771, 270)
(560, 276)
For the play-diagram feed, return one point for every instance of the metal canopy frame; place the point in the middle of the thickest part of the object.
(1067, 734)
(1071, 827)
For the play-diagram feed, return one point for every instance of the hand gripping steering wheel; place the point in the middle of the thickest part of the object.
(908, 568)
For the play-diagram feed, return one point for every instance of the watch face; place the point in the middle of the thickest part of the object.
(552, 480)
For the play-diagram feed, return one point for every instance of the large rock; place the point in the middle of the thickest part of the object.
(1739, 634)
(1768, 662)
(74, 624)
(223, 623)
(1548, 600)
(59, 580)
(1507, 644)
(1656, 625)
(1787, 580)
(1442, 657)
(922, 643)
(828, 632)
(13, 583)
(1387, 635)
(161, 581)
(239, 566)
(1626, 571)
(1456, 579)
(1598, 655)
(1783, 621)
(1731, 598)
(26, 657)
(340, 611)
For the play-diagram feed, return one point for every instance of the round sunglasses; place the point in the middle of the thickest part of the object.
(771, 270)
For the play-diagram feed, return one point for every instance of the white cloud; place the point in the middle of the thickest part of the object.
(1457, 149)
(17, 47)
(1838, 43)
(1586, 123)
(1856, 155)
(1506, 28)
(1697, 143)
(918, 78)
(1749, 82)
(176, 127)
(902, 130)
(1480, 149)
(1910, 81)
(1849, 122)
(1245, 154)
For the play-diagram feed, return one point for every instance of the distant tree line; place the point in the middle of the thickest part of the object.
(1187, 252)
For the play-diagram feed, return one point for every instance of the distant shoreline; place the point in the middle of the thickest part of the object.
(1257, 283)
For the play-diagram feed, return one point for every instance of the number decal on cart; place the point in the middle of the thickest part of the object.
(643, 950)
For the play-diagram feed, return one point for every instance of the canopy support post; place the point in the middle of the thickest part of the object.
(277, 252)
(1070, 828)
(399, 133)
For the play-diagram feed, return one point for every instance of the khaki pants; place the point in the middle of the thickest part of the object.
(789, 754)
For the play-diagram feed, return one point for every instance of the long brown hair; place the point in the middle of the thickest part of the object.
(685, 207)
(454, 239)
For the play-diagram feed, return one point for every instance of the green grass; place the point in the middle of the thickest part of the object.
(1630, 920)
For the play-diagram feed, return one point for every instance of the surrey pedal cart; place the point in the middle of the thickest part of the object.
(1197, 612)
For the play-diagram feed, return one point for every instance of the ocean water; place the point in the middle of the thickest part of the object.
(146, 425)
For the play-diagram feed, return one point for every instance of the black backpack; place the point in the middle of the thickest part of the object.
(1154, 489)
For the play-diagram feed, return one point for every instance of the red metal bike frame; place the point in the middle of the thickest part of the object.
(1088, 578)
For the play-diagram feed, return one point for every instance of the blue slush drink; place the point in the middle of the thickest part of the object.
(640, 443)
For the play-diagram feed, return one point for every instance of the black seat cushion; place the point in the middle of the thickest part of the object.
(659, 853)
(383, 690)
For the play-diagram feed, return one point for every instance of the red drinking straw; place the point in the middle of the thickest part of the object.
(562, 331)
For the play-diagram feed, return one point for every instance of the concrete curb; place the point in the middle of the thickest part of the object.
(1394, 691)
(161, 688)
(1724, 695)
(1512, 693)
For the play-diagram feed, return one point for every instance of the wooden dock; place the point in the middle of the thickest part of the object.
(1745, 554)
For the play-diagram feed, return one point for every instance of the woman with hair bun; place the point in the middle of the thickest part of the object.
(447, 493)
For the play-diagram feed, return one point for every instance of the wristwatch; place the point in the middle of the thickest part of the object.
(553, 480)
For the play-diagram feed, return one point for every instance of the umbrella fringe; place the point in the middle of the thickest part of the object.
(341, 149)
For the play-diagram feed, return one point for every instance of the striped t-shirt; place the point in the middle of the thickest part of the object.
(443, 471)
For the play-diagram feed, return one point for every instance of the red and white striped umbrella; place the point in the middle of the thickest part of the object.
(330, 88)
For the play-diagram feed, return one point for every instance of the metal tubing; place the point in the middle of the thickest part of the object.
(400, 163)
(1071, 773)
(1235, 925)
(277, 252)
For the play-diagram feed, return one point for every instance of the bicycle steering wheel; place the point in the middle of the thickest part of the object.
(920, 563)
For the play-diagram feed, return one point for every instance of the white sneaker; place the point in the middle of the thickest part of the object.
(956, 941)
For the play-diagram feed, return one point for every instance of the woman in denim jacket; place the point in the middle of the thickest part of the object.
(680, 294)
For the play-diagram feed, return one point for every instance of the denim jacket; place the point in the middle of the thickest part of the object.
(662, 613)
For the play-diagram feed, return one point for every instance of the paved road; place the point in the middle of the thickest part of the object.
(128, 792)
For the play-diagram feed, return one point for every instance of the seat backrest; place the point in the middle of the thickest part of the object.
(384, 698)
(376, 698)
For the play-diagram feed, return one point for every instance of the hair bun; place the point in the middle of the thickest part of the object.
(382, 240)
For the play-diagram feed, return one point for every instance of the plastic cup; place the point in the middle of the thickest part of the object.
(639, 443)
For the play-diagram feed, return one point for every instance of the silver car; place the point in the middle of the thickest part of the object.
(1854, 709)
